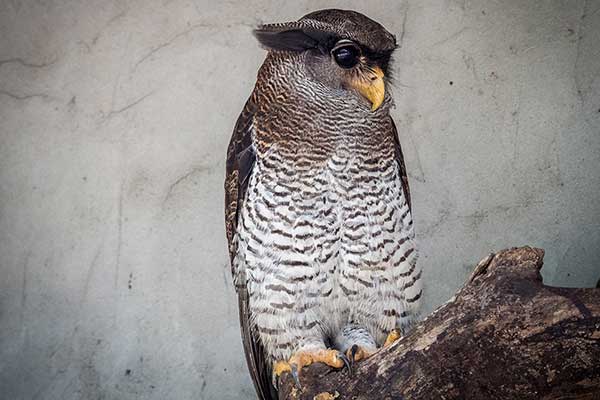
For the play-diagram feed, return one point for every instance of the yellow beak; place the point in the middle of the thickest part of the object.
(371, 86)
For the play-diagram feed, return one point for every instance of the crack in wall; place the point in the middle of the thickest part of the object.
(23, 97)
(580, 34)
(169, 42)
(181, 179)
(119, 235)
(27, 64)
(112, 113)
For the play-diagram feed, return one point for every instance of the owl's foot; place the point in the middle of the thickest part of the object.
(357, 353)
(392, 337)
(301, 359)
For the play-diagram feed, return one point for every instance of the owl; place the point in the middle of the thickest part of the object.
(317, 204)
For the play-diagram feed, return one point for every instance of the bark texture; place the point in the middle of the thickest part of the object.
(504, 335)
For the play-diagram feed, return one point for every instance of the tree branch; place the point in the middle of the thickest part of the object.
(504, 335)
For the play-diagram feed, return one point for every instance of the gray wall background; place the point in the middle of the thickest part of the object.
(114, 120)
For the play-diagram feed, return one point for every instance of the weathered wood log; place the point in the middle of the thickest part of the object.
(504, 335)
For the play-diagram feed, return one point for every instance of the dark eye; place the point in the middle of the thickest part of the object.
(346, 56)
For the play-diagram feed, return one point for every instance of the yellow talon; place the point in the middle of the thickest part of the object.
(327, 396)
(280, 367)
(393, 336)
(294, 365)
(329, 357)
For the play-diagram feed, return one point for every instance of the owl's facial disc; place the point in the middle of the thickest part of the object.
(366, 79)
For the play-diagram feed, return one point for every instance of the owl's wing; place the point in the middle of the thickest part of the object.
(240, 161)
(400, 160)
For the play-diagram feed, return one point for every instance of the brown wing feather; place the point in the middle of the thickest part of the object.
(400, 160)
(240, 161)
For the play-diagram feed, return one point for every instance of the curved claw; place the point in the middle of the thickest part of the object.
(353, 351)
(294, 373)
(346, 362)
(275, 381)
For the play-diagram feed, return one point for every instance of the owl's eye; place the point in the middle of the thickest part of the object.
(346, 56)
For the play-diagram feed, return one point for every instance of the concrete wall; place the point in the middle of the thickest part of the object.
(114, 119)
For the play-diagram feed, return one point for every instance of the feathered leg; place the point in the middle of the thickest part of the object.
(356, 341)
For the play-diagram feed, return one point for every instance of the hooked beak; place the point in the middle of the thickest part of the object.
(371, 86)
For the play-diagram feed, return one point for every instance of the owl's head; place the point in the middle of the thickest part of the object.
(343, 49)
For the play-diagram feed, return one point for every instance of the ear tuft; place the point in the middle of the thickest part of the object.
(287, 40)
(292, 37)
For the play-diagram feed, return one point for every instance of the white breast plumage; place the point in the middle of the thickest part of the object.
(325, 247)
